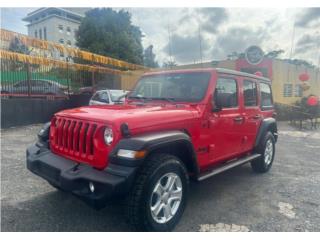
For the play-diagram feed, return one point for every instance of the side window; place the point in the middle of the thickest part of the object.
(266, 96)
(104, 97)
(225, 95)
(250, 93)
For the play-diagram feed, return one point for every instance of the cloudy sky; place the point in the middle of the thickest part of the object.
(177, 31)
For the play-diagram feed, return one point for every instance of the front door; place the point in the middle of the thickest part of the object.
(226, 124)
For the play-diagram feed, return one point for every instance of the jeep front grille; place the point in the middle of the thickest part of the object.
(73, 138)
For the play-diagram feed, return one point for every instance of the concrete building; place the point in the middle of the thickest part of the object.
(55, 24)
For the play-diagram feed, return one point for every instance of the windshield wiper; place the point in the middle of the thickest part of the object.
(169, 99)
(139, 98)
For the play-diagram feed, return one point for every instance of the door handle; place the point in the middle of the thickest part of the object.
(238, 119)
(256, 117)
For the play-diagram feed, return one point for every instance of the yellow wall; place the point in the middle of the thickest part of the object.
(288, 73)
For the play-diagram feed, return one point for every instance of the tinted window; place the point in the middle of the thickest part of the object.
(184, 87)
(225, 95)
(250, 93)
(266, 97)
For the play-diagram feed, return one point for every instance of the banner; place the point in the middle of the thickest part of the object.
(18, 57)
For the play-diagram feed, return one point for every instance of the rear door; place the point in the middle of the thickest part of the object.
(251, 112)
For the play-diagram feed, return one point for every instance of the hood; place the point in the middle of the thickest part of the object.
(136, 116)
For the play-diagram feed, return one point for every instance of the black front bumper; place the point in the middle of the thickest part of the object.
(70, 176)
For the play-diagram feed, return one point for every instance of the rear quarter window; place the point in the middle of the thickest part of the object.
(250, 93)
(266, 96)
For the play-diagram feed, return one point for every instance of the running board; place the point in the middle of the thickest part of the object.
(227, 166)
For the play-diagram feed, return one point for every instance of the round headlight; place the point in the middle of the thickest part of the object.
(108, 136)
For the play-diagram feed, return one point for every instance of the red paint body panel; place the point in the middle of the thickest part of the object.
(77, 133)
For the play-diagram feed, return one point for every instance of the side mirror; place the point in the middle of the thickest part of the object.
(216, 108)
(216, 105)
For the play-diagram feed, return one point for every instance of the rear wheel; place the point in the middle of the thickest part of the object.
(159, 194)
(267, 150)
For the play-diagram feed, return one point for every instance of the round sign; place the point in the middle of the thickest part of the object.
(254, 55)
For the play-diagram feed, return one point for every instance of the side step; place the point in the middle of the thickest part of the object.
(227, 166)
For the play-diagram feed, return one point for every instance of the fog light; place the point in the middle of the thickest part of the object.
(91, 187)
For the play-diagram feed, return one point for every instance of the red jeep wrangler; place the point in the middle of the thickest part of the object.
(175, 125)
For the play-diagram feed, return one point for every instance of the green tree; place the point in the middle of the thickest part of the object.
(111, 33)
(149, 58)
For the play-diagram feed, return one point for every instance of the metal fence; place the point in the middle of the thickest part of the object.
(20, 79)
(38, 68)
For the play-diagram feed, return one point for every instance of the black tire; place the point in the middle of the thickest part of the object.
(262, 164)
(141, 196)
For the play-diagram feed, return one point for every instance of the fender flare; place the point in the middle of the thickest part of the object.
(268, 124)
(152, 142)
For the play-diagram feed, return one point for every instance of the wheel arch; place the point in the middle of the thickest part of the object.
(268, 124)
(177, 143)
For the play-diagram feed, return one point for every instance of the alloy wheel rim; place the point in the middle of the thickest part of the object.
(268, 152)
(166, 198)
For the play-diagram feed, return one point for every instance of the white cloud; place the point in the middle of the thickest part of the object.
(222, 30)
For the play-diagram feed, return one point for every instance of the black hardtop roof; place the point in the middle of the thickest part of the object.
(219, 70)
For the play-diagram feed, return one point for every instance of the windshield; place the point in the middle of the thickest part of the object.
(179, 87)
(117, 95)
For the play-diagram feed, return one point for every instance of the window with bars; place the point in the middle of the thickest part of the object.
(287, 90)
(298, 90)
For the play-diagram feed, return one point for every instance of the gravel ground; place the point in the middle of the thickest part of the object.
(285, 199)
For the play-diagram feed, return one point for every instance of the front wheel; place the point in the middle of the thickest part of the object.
(159, 194)
(267, 150)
